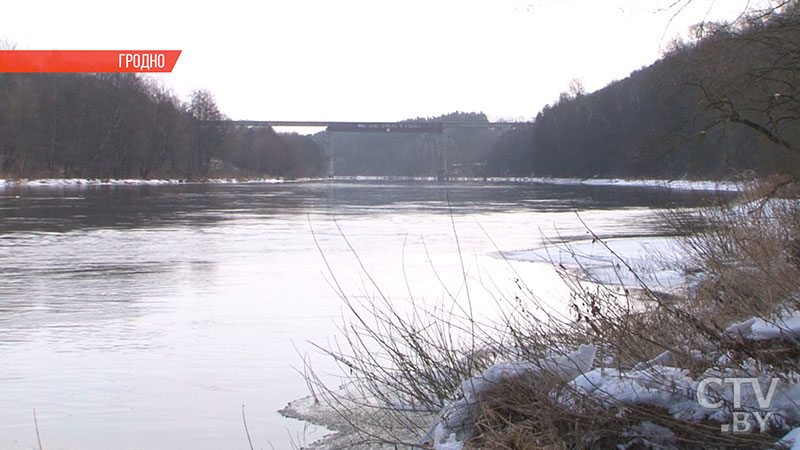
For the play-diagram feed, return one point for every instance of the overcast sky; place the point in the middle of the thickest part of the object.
(372, 60)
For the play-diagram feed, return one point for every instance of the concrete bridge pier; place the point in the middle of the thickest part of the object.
(443, 142)
(329, 152)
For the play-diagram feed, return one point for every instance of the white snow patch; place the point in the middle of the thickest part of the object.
(450, 444)
(667, 387)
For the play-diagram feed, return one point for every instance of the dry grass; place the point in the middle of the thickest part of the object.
(750, 253)
(520, 414)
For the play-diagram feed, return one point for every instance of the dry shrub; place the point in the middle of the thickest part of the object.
(745, 257)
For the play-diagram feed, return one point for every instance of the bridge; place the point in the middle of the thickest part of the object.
(440, 130)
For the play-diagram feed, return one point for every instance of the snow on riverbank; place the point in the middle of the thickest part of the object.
(771, 404)
(57, 182)
(695, 185)
(760, 401)
(653, 183)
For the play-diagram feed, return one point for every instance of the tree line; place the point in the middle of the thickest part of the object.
(722, 102)
(129, 126)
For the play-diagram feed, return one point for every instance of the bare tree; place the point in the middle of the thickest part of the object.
(576, 88)
(748, 72)
(208, 133)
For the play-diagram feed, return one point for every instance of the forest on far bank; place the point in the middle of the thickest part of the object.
(723, 102)
(128, 126)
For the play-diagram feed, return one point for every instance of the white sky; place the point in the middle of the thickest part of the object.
(371, 60)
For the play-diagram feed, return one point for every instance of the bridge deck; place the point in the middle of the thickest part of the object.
(427, 126)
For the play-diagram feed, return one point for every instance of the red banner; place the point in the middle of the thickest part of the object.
(87, 61)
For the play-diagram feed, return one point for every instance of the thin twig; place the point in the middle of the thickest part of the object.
(246, 431)
(36, 424)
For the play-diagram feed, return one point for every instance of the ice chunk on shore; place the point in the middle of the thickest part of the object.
(756, 328)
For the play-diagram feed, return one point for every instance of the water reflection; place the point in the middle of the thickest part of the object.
(60, 209)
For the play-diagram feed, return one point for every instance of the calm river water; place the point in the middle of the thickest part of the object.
(144, 317)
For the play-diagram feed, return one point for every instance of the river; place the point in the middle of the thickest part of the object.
(145, 316)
